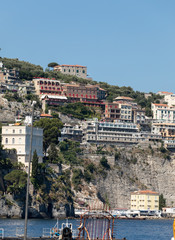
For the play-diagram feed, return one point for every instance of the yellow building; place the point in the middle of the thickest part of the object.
(145, 200)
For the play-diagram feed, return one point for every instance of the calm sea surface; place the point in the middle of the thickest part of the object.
(130, 229)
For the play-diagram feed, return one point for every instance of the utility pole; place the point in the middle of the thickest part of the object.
(28, 177)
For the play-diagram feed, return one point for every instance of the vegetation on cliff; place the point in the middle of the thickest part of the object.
(77, 110)
(51, 130)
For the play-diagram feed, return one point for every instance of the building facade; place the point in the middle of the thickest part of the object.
(75, 70)
(72, 132)
(163, 93)
(162, 112)
(45, 86)
(110, 132)
(145, 200)
(8, 75)
(80, 92)
(166, 130)
(170, 99)
(18, 137)
(125, 112)
(138, 116)
(112, 111)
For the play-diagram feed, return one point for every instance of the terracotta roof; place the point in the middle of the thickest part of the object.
(66, 65)
(160, 104)
(125, 98)
(17, 124)
(165, 92)
(45, 115)
(145, 192)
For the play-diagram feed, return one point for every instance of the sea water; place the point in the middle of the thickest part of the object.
(130, 229)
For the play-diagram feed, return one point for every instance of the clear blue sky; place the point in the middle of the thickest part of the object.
(122, 42)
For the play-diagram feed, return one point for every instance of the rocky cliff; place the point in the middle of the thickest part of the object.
(138, 169)
(131, 168)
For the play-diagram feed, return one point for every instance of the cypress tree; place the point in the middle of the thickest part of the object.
(34, 168)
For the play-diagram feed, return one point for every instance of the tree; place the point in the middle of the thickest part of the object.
(162, 202)
(53, 154)
(52, 64)
(51, 131)
(77, 178)
(16, 181)
(104, 163)
(35, 166)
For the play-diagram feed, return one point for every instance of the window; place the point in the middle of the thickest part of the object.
(13, 140)
(77, 71)
(20, 130)
(13, 130)
(19, 140)
(6, 140)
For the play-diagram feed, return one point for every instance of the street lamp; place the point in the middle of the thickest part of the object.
(28, 177)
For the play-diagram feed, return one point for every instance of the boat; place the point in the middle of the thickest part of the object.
(65, 232)
(94, 225)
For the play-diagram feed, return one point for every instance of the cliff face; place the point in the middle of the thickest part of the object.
(138, 169)
(131, 169)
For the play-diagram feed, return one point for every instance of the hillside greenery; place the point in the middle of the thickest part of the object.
(51, 130)
(28, 71)
(77, 110)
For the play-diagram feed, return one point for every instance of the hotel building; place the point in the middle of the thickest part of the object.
(145, 200)
(18, 137)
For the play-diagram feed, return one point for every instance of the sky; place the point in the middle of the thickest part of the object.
(122, 42)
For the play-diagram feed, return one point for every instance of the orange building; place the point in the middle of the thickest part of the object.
(112, 111)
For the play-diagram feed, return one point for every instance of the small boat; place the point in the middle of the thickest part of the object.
(66, 231)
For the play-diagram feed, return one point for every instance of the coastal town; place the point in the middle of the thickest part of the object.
(122, 123)
(87, 120)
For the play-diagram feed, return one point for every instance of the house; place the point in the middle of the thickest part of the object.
(166, 130)
(163, 112)
(164, 93)
(18, 137)
(145, 200)
(138, 116)
(170, 99)
(72, 132)
(46, 86)
(8, 75)
(112, 111)
(126, 111)
(75, 70)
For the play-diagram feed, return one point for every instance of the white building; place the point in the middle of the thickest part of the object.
(76, 70)
(163, 93)
(163, 113)
(115, 133)
(170, 99)
(18, 137)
